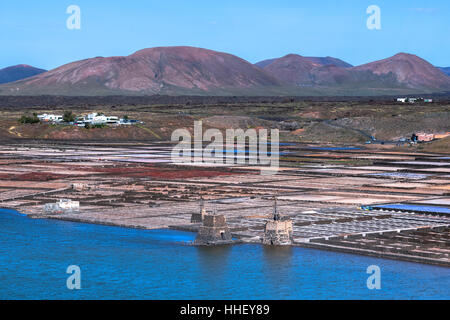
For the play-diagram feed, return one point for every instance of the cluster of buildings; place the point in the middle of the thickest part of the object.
(53, 118)
(90, 119)
(414, 100)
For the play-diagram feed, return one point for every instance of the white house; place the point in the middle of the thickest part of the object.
(112, 120)
(95, 118)
(50, 118)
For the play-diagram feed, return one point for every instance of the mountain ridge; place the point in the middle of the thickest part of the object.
(318, 60)
(184, 70)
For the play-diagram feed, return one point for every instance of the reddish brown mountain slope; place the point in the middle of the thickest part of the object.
(410, 70)
(400, 71)
(292, 69)
(154, 70)
(324, 61)
(192, 71)
(330, 61)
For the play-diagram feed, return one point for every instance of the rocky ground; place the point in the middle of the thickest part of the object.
(298, 120)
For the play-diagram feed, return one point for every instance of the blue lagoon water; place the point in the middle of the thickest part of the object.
(120, 263)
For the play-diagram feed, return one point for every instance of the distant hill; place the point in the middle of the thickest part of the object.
(410, 71)
(197, 71)
(400, 71)
(329, 61)
(299, 71)
(446, 70)
(324, 61)
(19, 72)
(292, 69)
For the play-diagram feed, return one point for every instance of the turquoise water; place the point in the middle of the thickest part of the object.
(119, 263)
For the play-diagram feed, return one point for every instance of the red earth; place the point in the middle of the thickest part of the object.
(33, 176)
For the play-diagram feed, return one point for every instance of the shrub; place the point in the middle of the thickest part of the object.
(68, 116)
(29, 119)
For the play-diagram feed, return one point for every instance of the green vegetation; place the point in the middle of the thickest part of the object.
(29, 119)
(68, 116)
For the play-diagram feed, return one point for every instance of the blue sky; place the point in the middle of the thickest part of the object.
(35, 32)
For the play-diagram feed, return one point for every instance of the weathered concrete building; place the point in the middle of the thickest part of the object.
(214, 230)
(278, 231)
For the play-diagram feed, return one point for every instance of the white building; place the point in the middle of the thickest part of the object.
(95, 118)
(112, 120)
(50, 117)
(411, 100)
(63, 205)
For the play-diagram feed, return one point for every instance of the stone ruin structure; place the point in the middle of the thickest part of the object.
(278, 231)
(214, 230)
(198, 217)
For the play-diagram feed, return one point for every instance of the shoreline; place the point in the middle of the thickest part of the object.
(310, 245)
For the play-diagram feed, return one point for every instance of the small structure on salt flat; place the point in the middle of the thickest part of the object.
(62, 206)
(278, 230)
(80, 186)
(214, 230)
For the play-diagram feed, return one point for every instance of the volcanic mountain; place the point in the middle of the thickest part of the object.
(18, 72)
(323, 61)
(196, 71)
(300, 71)
(292, 69)
(409, 70)
(330, 61)
(166, 70)
(400, 71)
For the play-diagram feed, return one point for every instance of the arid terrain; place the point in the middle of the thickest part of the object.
(337, 121)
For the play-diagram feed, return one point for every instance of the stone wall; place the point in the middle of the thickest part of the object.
(213, 231)
(278, 232)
